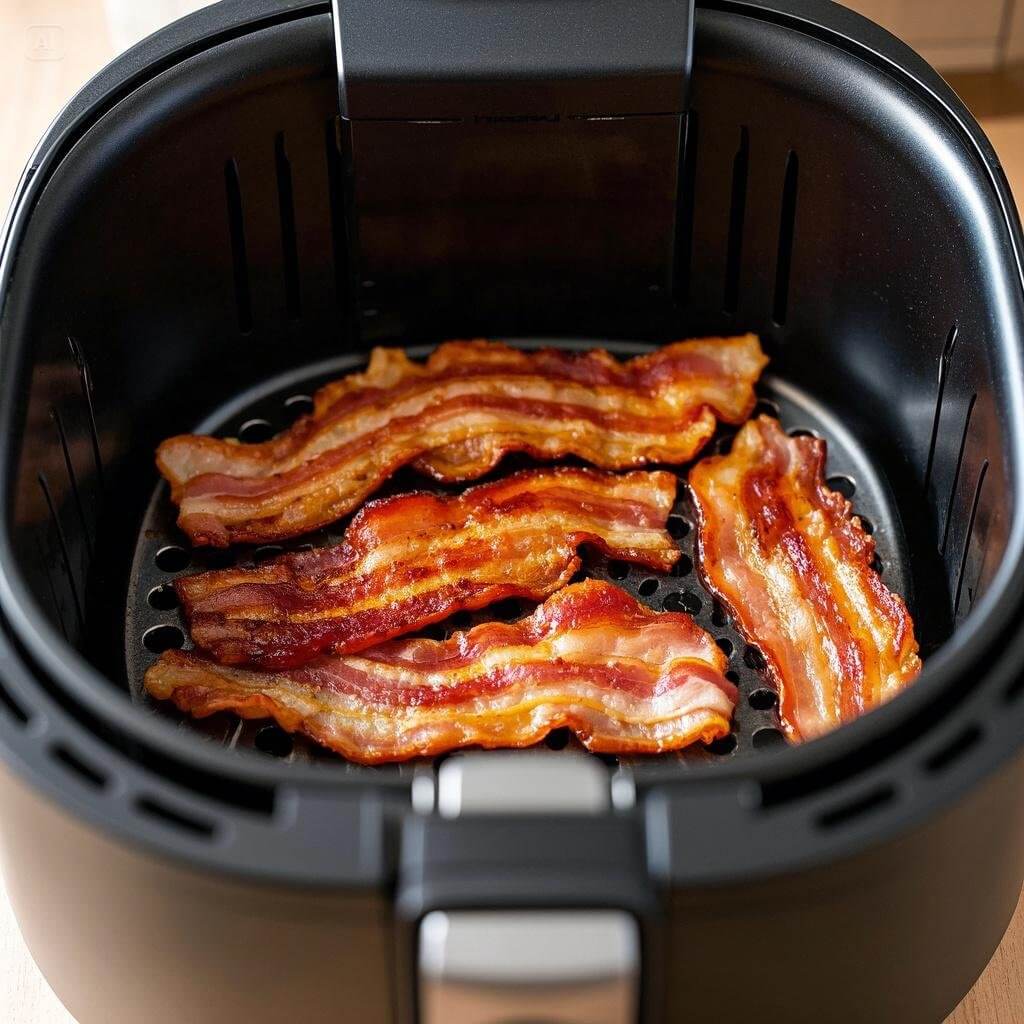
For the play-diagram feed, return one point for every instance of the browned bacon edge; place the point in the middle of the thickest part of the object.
(784, 554)
(456, 416)
(417, 558)
(592, 658)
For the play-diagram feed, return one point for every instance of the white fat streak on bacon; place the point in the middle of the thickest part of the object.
(804, 647)
(626, 679)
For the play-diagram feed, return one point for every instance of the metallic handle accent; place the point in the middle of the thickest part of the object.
(518, 782)
(499, 967)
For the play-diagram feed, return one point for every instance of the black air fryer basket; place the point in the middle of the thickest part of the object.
(218, 223)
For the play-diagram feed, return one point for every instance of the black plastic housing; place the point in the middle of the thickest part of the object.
(183, 233)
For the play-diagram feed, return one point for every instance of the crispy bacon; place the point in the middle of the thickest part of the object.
(455, 416)
(416, 558)
(624, 678)
(794, 567)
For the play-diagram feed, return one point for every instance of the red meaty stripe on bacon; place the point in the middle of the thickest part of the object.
(414, 559)
(794, 567)
(624, 678)
(455, 416)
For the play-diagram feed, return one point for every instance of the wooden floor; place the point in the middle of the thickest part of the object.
(48, 48)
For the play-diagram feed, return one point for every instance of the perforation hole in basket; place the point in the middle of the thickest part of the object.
(843, 484)
(172, 558)
(164, 637)
(255, 431)
(558, 739)
(723, 445)
(768, 738)
(678, 526)
(753, 658)
(725, 745)
(682, 601)
(298, 405)
(163, 598)
(683, 567)
(273, 740)
(763, 699)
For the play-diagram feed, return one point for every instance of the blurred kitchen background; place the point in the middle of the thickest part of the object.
(49, 48)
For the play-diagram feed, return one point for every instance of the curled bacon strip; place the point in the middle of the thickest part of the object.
(416, 558)
(624, 678)
(455, 417)
(794, 567)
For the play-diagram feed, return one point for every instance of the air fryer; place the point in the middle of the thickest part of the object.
(235, 211)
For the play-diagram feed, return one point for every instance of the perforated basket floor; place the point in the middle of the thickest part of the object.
(154, 622)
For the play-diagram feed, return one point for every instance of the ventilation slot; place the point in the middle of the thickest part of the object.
(737, 211)
(787, 222)
(944, 360)
(336, 190)
(44, 564)
(84, 771)
(72, 479)
(85, 381)
(866, 804)
(12, 707)
(289, 245)
(173, 818)
(954, 750)
(239, 259)
(967, 544)
(685, 195)
(956, 474)
(64, 550)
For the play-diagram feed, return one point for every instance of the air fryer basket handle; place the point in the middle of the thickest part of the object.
(491, 906)
(500, 156)
(449, 59)
(521, 874)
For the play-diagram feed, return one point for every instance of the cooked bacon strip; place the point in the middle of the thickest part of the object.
(415, 559)
(455, 416)
(624, 678)
(794, 567)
